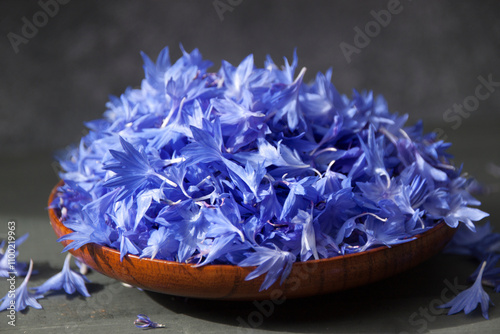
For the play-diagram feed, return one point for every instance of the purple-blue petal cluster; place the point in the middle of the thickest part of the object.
(254, 167)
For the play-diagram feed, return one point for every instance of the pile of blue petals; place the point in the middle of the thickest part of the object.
(253, 167)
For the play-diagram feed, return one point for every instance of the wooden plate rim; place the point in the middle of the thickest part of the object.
(248, 290)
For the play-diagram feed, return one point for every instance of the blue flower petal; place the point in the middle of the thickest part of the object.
(66, 280)
(22, 298)
(469, 299)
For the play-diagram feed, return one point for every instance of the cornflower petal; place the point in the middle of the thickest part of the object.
(22, 298)
(144, 322)
(469, 299)
(66, 280)
(272, 261)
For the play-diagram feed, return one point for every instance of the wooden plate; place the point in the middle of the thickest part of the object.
(228, 281)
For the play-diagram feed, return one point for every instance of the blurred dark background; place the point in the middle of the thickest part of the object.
(427, 58)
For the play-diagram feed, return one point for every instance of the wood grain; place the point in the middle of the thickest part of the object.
(228, 282)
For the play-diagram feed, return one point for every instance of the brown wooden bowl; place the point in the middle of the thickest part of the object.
(228, 281)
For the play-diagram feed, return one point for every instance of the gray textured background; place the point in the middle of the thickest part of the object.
(427, 58)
